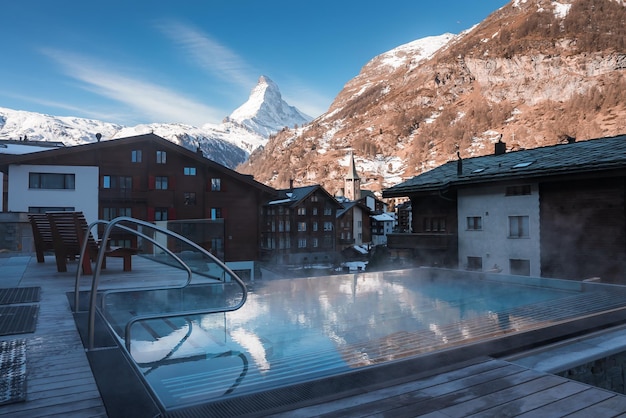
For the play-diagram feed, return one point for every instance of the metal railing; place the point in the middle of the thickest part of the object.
(117, 223)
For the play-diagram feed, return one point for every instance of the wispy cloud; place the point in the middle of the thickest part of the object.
(154, 102)
(210, 55)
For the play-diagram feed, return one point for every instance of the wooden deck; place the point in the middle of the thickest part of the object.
(60, 381)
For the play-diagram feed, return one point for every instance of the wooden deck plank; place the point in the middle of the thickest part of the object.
(611, 407)
(534, 401)
(502, 396)
(570, 404)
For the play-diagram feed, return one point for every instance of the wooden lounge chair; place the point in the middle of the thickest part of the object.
(42, 235)
(67, 230)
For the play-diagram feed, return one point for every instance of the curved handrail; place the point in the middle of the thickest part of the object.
(146, 237)
(101, 254)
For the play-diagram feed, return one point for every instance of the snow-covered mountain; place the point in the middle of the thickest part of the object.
(533, 73)
(229, 143)
(266, 112)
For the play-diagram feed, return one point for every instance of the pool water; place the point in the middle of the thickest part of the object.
(296, 330)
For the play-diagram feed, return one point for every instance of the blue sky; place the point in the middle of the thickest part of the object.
(194, 62)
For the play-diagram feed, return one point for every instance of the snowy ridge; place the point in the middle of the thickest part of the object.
(229, 143)
(415, 51)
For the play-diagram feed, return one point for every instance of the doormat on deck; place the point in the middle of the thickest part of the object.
(12, 371)
(19, 295)
(18, 319)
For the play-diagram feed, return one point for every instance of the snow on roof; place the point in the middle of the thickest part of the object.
(19, 149)
(384, 217)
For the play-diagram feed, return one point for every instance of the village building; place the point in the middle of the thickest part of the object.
(299, 227)
(148, 178)
(555, 211)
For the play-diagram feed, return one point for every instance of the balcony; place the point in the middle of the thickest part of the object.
(421, 241)
(123, 194)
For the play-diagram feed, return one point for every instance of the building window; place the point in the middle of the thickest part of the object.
(135, 156)
(51, 181)
(314, 225)
(434, 224)
(190, 198)
(314, 243)
(189, 171)
(302, 243)
(475, 263)
(301, 226)
(328, 210)
(161, 157)
(160, 214)
(111, 213)
(216, 213)
(314, 198)
(216, 185)
(520, 190)
(44, 209)
(328, 241)
(117, 182)
(125, 182)
(518, 227)
(314, 211)
(520, 267)
(301, 211)
(328, 226)
(474, 223)
(160, 182)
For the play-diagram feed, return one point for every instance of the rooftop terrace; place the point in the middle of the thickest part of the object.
(470, 379)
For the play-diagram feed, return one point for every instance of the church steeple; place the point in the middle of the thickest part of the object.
(352, 182)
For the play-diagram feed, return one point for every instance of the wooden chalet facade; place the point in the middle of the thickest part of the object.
(299, 227)
(149, 178)
(556, 211)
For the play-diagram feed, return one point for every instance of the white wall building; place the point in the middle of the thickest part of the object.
(40, 188)
(499, 229)
(382, 226)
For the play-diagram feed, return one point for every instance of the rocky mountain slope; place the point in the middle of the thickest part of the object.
(535, 72)
(229, 143)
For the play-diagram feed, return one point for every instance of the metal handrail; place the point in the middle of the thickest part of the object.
(146, 237)
(115, 223)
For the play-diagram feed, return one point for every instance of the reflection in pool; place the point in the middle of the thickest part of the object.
(295, 330)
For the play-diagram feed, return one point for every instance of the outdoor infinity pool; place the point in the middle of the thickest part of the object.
(291, 331)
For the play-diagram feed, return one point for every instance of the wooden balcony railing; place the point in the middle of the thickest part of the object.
(421, 241)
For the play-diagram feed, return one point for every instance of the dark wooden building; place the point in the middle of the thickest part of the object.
(556, 211)
(153, 179)
(299, 226)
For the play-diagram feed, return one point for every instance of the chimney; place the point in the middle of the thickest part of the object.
(290, 185)
(500, 147)
(459, 165)
(570, 139)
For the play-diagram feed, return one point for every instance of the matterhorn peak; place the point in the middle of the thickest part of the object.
(265, 111)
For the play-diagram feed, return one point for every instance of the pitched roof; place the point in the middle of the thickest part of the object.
(293, 196)
(573, 158)
(31, 158)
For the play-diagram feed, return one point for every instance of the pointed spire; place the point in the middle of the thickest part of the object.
(352, 189)
(352, 174)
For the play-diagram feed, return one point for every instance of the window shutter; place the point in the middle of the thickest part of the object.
(151, 214)
(171, 214)
(151, 184)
